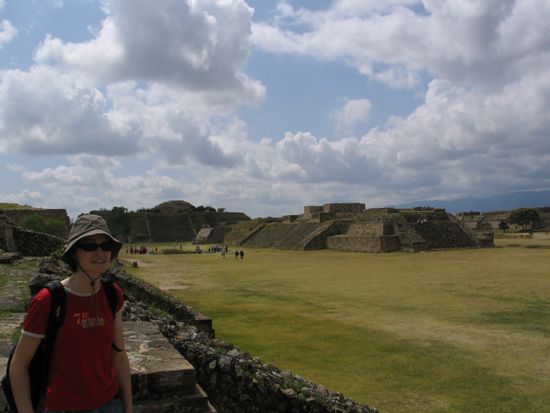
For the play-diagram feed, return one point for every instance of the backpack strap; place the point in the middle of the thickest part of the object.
(58, 308)
(110, 292)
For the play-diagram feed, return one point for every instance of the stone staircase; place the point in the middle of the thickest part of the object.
(162, 380)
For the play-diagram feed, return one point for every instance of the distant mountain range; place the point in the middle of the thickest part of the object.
(494, 203)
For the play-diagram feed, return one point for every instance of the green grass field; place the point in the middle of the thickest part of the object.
(447, 331)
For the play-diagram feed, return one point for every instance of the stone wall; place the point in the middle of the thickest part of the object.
(26, 242)
(318, 239)
(364, 243)
(151, 296)
(166, 227)
(7, 241)
(279, 235)
(58, 214)
(203, 235)
(213, 235)
(170, 228)
(236, 382)
(312, 209)
(242, 233)
(445, 235)
(35, 244)
(370, 229)
(344, 207)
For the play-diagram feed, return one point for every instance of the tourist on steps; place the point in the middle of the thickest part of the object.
(89, 369)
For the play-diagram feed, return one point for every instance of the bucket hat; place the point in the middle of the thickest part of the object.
(85, 226)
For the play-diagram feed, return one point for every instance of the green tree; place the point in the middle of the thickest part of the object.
(503, 225)
(119, 210)
(524, 217)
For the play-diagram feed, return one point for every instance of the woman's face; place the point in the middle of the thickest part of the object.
(95, 262)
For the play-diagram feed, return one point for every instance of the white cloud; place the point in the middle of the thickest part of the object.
(200, 46)
(45, 112)
(7, 32)
(158, 79)
(353, 113)
(25, 197)
(459, 142)
(469, 43)
(84, 171)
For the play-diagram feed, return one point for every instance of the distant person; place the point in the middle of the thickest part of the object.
(89, 368)
(236, 254)
(241, 254)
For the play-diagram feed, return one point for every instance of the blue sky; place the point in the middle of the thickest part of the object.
(266, 106)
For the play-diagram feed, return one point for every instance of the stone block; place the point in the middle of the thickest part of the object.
(156, 367)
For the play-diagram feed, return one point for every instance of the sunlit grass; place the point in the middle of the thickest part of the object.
(446, 331)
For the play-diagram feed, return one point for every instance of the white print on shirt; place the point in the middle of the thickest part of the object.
(84, 321)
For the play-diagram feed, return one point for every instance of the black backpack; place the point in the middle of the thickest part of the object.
(40, 364)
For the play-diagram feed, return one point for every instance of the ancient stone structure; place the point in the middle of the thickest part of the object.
(162, 380)
(173, 221)
(25, 242)
(366, 237)
(344, 207)
(212, 235)
(58, 214)
(351, 227)
(7, 240)
(487, 221)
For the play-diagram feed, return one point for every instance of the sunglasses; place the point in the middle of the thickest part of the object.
(91, 246)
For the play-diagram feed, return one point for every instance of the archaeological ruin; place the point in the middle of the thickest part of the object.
(352, 227)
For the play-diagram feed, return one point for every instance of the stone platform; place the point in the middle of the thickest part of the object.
(162, 380)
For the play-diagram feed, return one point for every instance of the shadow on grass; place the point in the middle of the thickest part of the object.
(533, 317)
(373, 366)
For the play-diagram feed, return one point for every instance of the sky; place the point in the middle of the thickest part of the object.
(264, 106)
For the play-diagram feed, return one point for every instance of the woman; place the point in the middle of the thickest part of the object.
(89, 366)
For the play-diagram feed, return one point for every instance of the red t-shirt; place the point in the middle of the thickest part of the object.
(81, 374)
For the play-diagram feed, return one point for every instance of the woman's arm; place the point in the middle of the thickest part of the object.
(121, 365)
(19, 372)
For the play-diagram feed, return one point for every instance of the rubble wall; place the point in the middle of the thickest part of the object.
(35, 244)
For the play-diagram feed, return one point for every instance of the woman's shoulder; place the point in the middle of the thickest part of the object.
(42, 296)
